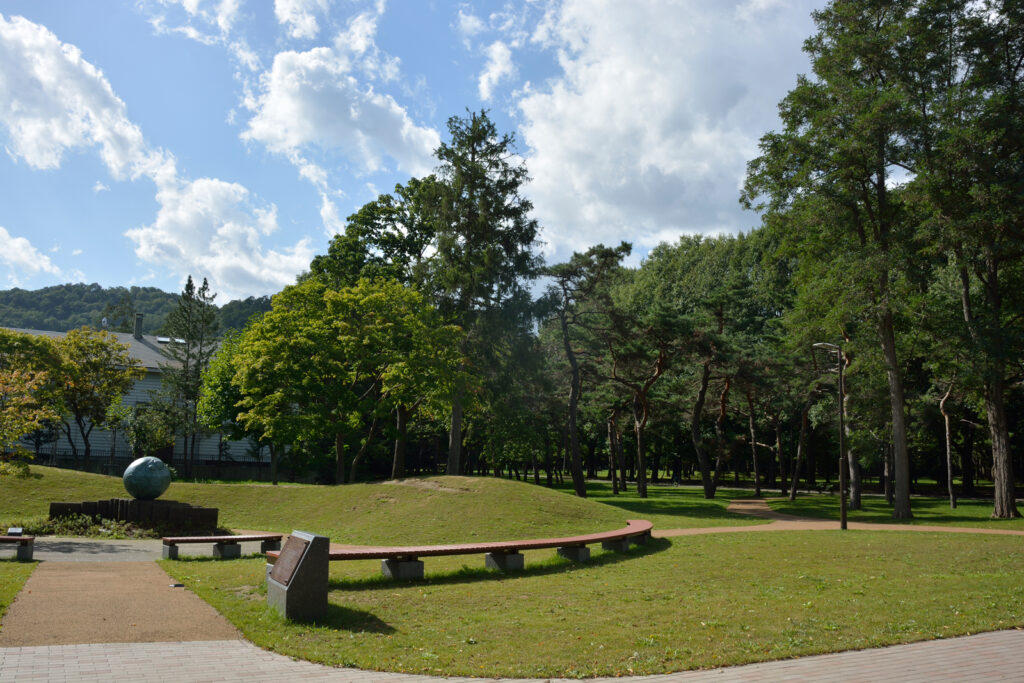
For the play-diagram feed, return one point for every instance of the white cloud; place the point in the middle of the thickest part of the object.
(212, 228)
(300, 16)
(358, 43)
(468, 25)
(76, 252)
(52, 100)
(312, 100)
(100, 187)
(499, 67)
(646, 131)
(218, 16)
(19, 254)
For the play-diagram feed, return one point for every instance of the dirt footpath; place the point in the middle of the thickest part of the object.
(65, 603)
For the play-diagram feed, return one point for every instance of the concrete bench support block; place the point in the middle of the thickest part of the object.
(227, 550)
(25, 552)
(620, 546)
(402, 569)
(642, 539)
(506, 562)
(170, 552)
(269, 545)
(575, 553)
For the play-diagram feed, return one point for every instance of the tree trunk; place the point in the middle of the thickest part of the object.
(640, 410)
(801, 447)
(887, 474)
(901, 458)
(853, 464)
(723, 400)
(612, 463)
(1002, 465)
(698, 411)
(967, 461)
(455, 436)
(401, 427)
(576, 461)
(949, 446)
(783, 469)
(753, 443)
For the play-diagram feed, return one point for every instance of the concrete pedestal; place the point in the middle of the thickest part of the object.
(575, 553)
(642, 539)
(402, 569)
(227, 550)
(170, 552)
(619, 546)
(25, 552)
(506, 562)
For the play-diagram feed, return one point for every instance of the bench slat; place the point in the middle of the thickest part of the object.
(20, 540)
(176, 540)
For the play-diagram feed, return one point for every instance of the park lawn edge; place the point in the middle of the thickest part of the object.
(786, 623)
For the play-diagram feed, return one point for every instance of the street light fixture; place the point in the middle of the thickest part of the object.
(843, 464)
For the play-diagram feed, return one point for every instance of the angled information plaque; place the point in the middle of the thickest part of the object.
(297, 582)
(288, 561)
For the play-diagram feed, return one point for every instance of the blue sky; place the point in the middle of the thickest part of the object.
(147, 140)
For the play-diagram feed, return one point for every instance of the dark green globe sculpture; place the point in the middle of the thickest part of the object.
(147, 478)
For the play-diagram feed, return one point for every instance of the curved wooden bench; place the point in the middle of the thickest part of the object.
(403, 561)
(223, 546)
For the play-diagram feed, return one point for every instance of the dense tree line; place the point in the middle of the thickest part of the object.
(67, 307)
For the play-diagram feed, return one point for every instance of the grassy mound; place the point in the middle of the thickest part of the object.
(413, 511)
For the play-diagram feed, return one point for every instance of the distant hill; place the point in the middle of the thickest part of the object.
(66, 307)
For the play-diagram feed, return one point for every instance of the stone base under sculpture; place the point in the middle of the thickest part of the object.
(157, 512)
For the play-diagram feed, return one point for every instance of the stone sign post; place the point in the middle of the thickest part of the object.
(297, 582)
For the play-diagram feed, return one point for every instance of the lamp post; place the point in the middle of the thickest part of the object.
(843, 465)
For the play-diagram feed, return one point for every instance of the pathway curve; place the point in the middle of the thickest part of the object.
(79, 618)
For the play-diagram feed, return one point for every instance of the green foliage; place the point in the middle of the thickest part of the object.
(94, 370)
(26, 391)
(192, 325)
(322, 358)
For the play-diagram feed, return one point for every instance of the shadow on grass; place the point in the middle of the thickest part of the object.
(926, 512)
(347, 619)
(673, 508)
(555, 565)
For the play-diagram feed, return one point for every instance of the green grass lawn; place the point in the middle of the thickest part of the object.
(692, 602)
(13, 575)
(927, 511)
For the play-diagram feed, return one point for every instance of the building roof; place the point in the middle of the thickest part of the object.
(149, 350)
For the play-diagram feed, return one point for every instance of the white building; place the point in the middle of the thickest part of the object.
(110, 452)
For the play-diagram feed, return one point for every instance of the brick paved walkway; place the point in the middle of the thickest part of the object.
(997, 656)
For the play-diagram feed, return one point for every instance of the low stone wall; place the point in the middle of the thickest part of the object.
(164, 512)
